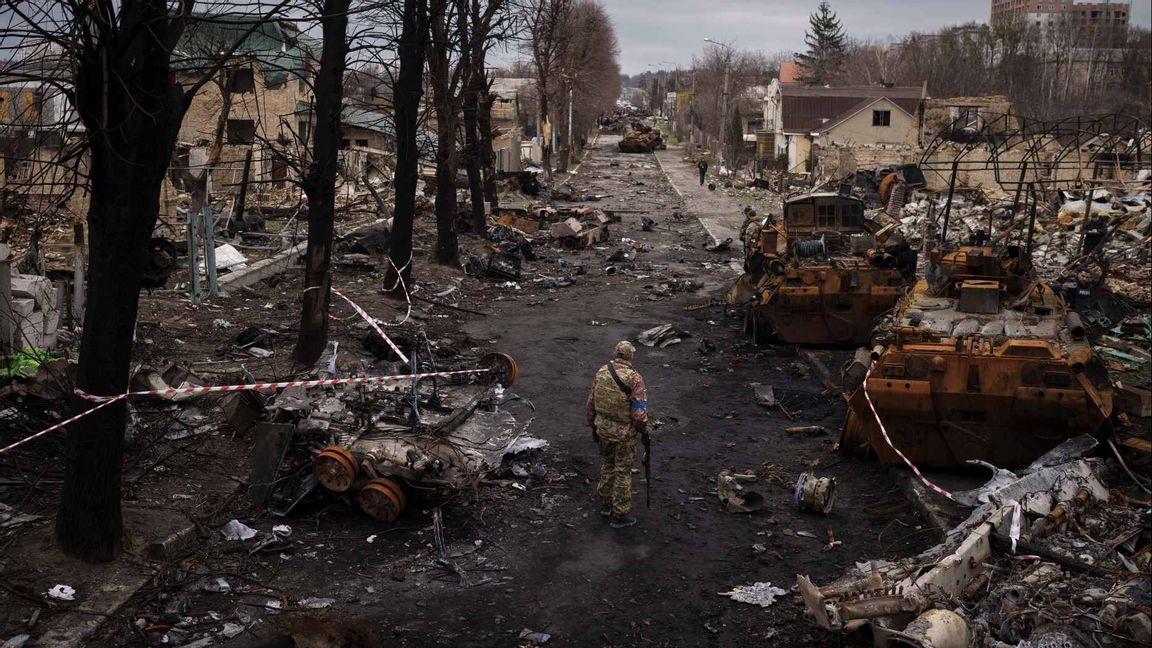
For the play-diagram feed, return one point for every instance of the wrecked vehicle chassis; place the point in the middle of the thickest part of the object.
(977, 363)
(450, 447)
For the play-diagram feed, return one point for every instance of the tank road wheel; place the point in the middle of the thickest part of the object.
(382, 499)
(501, 369)
(854, 438)
(335, 468)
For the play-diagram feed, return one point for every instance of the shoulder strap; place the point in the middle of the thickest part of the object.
(619, 383)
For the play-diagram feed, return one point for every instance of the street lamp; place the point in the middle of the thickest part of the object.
(724, 96)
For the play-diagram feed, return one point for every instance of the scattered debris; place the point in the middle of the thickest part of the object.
(238, 531)
(762, 594)
(662, 336)
(61, 593)
(735, 497)
(815, 494)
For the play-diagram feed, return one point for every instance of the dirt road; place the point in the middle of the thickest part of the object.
(532, 552)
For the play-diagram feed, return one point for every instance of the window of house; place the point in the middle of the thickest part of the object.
(241, 80)
(345, 143)
(881, 117)
(304, 131)
(362, 142)
(241, 131)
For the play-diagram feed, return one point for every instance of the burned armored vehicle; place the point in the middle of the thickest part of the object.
(980, 361)
(824, 275)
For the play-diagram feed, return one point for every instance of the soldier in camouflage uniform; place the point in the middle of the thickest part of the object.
(617, 416)
(750, 235)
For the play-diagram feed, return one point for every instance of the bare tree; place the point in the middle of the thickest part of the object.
(320, 183)
(407, 91)
(486, 24)
(589, 75)
(546, 20)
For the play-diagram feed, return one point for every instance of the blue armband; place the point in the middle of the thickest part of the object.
(638, 404)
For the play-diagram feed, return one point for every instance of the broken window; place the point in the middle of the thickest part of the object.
(241, 80)
(345, 143)
(362, 142)
(304, 131)
(881, 117)
(966, 116)
(241, 131)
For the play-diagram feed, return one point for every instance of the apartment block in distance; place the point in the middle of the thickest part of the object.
(1046, 12)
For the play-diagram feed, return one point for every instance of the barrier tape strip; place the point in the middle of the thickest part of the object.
(104, 401)
(888, 440)
(372, 322)
(1014, 529)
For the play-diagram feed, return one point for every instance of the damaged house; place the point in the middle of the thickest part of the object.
(803, 119)
(252, 105)
(37, 124)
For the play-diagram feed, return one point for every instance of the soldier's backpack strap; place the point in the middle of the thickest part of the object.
(620, 383)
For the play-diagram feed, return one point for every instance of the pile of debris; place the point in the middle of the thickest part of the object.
(1049, 557)
(641, 139)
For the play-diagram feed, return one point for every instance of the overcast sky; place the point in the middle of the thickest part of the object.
(652, 31)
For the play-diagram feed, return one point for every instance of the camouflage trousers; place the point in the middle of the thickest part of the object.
(615, 486)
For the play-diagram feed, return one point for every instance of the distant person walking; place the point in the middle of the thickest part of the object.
(703, 167)
(618, 413)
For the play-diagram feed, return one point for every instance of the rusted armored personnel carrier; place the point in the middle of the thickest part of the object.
(981, 360)
(824, 275)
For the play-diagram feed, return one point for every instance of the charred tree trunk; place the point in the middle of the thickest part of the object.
(131, 108)
(447, 163)
(545, 130)
(407, 92)
(472, 148)
(443, 80)
(320, 184)
(487, 155)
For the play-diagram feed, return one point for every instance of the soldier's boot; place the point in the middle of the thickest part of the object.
(605, 510)
(621, 521)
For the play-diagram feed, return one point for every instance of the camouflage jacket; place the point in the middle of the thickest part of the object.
(610, 410)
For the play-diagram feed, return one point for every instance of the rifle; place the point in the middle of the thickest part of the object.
(648, 474)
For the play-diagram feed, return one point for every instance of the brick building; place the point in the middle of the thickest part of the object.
(1043, 13)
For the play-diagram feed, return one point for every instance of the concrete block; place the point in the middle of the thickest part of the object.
(30, 331)
(23, 306)
(34, 287)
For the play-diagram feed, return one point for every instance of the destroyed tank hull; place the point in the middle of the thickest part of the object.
(824, 304)
(824, 276)
(955, 380)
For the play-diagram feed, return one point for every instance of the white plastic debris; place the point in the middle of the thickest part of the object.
(219, 585)
(62, 593)
(16, 642)
(535, 638)
(371, 538)
(237, 530)
(231, 630)
(282, 530)
(762, 594)
(316, 603)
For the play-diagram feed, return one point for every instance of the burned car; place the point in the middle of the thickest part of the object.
(980, 361)
(824, 275)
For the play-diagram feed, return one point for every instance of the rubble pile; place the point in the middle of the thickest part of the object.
(1062, 234)
(1049, 556)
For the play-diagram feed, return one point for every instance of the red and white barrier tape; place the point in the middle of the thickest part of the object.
(1014, 534)
(374, 324)
(888, 440)
(105, 401)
